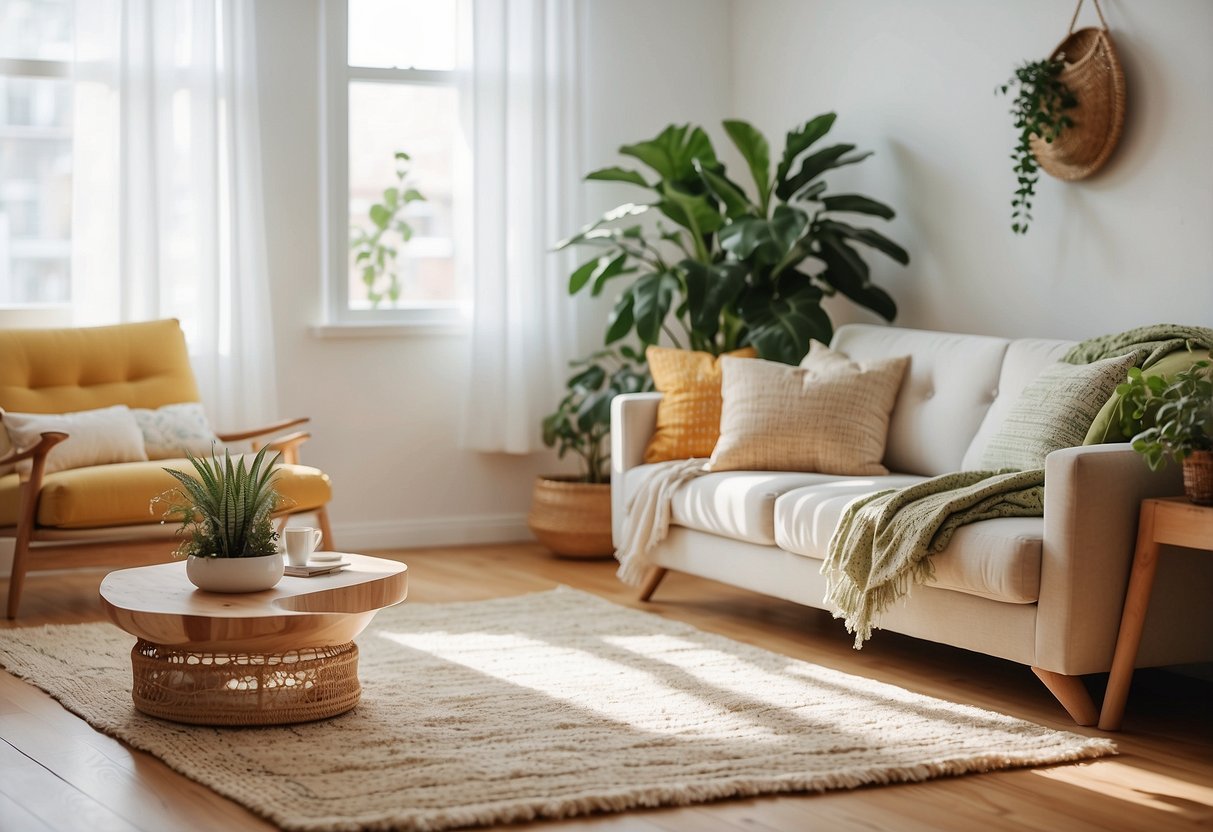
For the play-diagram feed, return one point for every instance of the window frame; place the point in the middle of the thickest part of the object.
(336, 74)
(42, 68)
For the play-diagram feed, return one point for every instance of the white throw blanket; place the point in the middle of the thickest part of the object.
(647, 519)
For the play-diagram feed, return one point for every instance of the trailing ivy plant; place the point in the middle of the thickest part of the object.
(582, 420)
(375, 251)
(1039, 111)
(722, 266)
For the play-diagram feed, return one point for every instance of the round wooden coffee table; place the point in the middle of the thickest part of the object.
(262, 658)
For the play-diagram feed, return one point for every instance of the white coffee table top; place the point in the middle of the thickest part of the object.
(159, 604)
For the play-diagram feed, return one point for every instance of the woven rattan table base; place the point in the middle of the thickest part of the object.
(244, 688)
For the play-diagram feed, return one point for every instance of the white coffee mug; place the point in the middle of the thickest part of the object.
(300, 543)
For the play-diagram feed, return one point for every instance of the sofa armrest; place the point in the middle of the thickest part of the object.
(1093, 495)
(633, 420)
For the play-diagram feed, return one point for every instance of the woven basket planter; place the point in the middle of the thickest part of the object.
(572, 518)
(1092, 72)
(1198, 477)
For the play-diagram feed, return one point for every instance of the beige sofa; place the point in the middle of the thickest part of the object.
(1045, 592)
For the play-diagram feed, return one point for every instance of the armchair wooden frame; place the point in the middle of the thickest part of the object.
(102, 545)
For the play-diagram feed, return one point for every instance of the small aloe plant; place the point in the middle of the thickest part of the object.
(225, 510)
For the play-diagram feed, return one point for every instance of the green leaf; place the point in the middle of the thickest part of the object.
(581, 275)
(692, 211)
(654, 295)
(848, 273)
(380, 216)
(709, 290)
(591, 378)
(856, 204)
(412, 195)
(735, 202)
(628, 209)
(869, 238)
(800, 140)
(781, 326)
(772, 239)
(753, 147)
(622, 318)
(391, 198)
(607, 268)
(672, 152)
(617, 174)
(817, 164)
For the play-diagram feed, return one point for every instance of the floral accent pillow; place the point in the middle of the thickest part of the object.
(171, 431)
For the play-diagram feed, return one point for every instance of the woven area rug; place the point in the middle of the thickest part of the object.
(545, 705)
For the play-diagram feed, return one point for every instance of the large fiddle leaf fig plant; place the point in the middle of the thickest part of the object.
(723, 266)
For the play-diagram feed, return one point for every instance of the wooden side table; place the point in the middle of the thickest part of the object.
(1173, 521)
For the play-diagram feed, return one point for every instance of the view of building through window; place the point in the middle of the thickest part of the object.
(35, 151)
(402, 98)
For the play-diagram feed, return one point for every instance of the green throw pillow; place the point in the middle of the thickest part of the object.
(1054, 411)
(1106, 427)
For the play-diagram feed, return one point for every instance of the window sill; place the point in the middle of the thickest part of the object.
(395, 329)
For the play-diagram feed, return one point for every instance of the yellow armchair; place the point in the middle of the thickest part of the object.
(141, 365)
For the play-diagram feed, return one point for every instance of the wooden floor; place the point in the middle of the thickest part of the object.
(57, 773)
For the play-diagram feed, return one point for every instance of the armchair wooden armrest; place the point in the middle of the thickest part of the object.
(289, 445)
(37, 453)
(255, 432)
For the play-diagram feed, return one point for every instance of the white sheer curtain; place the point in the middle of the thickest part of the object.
(167, 217)
(524, 99)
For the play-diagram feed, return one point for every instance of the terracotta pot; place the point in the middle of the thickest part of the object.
(235, 574)
(572, 518)
(1198, 477)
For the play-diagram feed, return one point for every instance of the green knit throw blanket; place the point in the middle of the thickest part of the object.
(885, 540)
(1149, 342)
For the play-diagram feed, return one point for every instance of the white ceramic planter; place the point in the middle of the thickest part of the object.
(234, 574)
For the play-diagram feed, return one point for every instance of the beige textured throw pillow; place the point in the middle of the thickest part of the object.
(832, 420)
(1055, 411)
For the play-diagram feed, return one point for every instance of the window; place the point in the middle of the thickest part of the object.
(35, 152)
(391, 121)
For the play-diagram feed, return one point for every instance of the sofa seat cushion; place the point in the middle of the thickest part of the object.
(120, 494)
(734, 504)
(996, 559)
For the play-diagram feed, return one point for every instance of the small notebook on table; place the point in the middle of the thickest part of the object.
(314, 569)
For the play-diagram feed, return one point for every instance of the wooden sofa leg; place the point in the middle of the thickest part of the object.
(651, 581)
(322, 520)
(1072, 695)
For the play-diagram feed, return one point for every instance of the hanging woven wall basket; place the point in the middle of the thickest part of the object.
(1093, 74)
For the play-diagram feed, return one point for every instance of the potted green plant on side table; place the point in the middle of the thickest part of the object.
(1177, 417)
(571, 514)
(224, 511)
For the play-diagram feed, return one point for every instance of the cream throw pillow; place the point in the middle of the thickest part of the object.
(95, 437)
(830, 416)
(1055, 411)
(171, 431)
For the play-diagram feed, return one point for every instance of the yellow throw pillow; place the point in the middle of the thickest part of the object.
(832, 419)
(688, 417)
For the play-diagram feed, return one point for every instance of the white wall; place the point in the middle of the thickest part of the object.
(385, 411)
(914, 82)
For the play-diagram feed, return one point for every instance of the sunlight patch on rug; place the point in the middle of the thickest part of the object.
(541, 706)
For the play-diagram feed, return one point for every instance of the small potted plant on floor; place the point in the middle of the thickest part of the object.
(230, 544)
(1177, 417)
(571, 514)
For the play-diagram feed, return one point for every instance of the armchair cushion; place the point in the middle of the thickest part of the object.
(120, 494)
(95, 437)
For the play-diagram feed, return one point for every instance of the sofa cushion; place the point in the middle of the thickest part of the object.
(1055, 411)
(1025, 360)
(782, 418)
(95, 437)
(950, 384)
(734, 504)
(120, 494)
(997, 559)
(688, 417)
